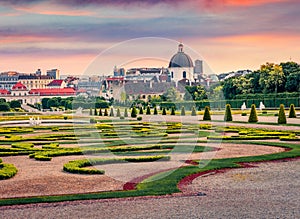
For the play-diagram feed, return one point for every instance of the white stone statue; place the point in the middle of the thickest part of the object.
(261, 106)
(244, 107)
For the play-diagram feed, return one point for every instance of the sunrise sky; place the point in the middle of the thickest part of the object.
(68, 35)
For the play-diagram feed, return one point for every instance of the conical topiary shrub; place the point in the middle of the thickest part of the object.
(148, 111)
(141, 111)
(100, 112)
(111, 113)
(118, 112)
(292, 112)
(228, 114)
(125, 113)
(206, 116)
(91, 112)
(281, 115)
(133, 112)
(182, 113)
(155, 111)
(253, 114)
(194, 113)
(173, 111)
(105, 112)
(164, 112)
(95, 112)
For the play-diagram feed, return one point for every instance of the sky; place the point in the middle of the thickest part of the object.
(73, 35)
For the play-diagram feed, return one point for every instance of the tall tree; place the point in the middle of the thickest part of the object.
(272, 78)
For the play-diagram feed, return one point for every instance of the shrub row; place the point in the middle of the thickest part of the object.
(78, 166)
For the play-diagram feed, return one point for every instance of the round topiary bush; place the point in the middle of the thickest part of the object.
(155, 111)
(228, 114)
(182, 111)
(133, 112)
(281, 115)
(194, 113)
(292, 112)
(164, 112)
(253, 114)
(173, 111)
(206, 116)
(148, 111)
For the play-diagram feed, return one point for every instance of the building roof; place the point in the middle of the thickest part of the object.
(154, 88)
(4, 92)
(55, 82)
(53, 91)
(19, 86)
(180, 59)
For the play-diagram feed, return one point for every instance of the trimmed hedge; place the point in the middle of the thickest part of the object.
(78, 166)
(182, 111)
(228, 114)
(292, 112)
(7, 171)
(206, 116)
(193, 113)
(253, 115)
(281, 115)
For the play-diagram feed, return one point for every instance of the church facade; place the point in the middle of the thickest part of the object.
(181, 67)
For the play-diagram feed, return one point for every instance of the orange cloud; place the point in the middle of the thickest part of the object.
(247, 3)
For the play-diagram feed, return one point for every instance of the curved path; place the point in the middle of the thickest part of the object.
(48, 178)
(270, 191)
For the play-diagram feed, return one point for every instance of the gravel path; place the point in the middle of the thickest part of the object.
(268, 191)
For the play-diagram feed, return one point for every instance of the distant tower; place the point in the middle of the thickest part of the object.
(38, 72)
(198, 67)
(54, 73)
(181, 66)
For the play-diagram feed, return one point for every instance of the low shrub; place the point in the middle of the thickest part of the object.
(289, 138)
(244, 114)
(7, 171)
(78, 166)
(139, 118)
(93, 121)
(55, 129)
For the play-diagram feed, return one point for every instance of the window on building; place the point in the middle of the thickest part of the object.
(184, 74)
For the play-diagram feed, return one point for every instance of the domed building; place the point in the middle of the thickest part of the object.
(181, 66)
